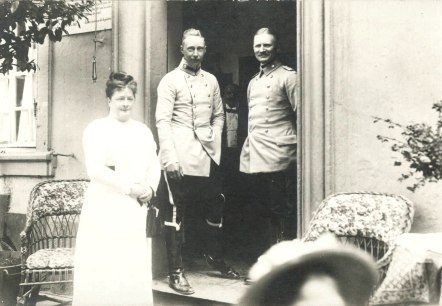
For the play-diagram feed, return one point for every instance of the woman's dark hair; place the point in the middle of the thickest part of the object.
(119, 80)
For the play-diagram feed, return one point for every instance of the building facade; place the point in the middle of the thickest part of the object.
(355, 60)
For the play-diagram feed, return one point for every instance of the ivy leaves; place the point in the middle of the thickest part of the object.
(25, 22)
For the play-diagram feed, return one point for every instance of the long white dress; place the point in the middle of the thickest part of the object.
(113, 255)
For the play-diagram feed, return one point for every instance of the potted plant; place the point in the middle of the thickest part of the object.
(420, 146)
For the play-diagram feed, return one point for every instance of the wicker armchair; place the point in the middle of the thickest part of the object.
(48, 239)
(370, 221)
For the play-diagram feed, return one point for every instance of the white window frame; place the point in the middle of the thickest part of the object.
(38, 159)
(13, 106)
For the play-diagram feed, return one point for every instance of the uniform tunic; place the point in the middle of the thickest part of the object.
(190, 120)
(271, 142)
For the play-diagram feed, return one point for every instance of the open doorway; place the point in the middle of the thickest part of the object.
(228, 28)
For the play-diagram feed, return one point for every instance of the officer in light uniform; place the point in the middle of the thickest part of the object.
(269, 152)
(190, 120)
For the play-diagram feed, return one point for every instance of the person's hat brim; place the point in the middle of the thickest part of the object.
(354, 271)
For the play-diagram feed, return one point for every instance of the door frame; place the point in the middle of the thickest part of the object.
(315, 67)
(315, 112)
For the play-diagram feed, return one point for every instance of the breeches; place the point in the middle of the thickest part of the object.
(203, 193)
(277, 191)
(275, 199)
(197, 205)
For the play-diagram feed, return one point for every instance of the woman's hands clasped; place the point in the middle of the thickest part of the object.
(141, 193)
(146, 197)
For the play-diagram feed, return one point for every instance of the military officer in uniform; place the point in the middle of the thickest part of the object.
(190, 119)
(269, 152)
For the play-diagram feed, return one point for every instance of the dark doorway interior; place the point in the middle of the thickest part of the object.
(229, 27)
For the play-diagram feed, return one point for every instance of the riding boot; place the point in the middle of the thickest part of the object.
(174, 240)
(179, 283)
(282, 228)
(276, 229)
(213, 253)
(289, 227)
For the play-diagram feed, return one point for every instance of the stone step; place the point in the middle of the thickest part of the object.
(210, 287)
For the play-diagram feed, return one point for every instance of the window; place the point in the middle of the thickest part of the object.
(23, 143)
(17, 115)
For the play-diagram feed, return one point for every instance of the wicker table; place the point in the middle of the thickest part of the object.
(414, 274)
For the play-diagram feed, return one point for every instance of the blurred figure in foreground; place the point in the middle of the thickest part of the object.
(324, 272)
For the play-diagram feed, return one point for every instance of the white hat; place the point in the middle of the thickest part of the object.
(281, 271)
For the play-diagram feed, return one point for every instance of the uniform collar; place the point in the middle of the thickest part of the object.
(267, 69)
(184, 66)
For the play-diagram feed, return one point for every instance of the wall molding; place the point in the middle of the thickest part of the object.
(312, 121)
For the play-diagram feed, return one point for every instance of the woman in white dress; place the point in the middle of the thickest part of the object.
(113, 255)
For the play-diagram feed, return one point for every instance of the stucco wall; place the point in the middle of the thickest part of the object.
(385, 60)
(76, 101)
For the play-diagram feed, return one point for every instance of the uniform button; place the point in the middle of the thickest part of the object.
(267, 131)
(268, 97)
(267, 119)
(202, 75)
(271, 76)
(210, 106)
(268, 86)
(208, 95)
(206, 85)
(267, 108)
(191, 86)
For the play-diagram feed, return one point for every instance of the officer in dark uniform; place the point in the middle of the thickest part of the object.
(269, 152)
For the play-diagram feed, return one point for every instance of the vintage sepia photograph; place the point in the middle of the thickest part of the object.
(220, 152)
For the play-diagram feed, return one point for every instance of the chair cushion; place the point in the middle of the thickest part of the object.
(379, 216)
(56, 197)
(51, 258)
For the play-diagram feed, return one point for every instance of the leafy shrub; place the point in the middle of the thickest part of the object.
(420, 146)
(24, 22)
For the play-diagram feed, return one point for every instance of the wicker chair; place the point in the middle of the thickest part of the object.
(370, 221)
(48, 239)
